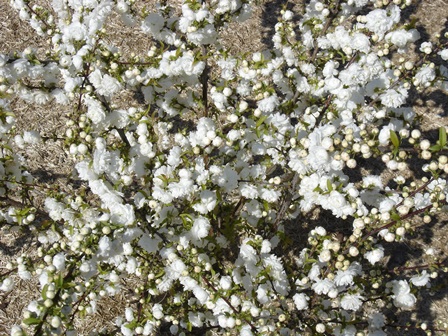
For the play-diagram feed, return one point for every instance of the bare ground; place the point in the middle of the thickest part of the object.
(51, 164)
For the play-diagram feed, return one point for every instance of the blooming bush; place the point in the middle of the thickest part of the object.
(191, 200)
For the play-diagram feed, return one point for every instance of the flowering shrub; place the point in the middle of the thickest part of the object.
(193, 196)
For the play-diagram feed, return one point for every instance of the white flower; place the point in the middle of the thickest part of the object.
(153, 24)
(76, 31)
(402, 37)
(262, 292)
(7, 285)
(344, 278)
(104, 84)
(95, 111)
(206, 35)
(207, 203)
(248, 190)
(225, 282)
(200, 294)
(104, 246)
(421, 200)
(379, 21)
(129, 314)
(403, 298)
(269, 104)
(301, 301)
(296, 163)
(200, 229)
(372, 181)
(332, 84)
(420, 280)
(425, 75)
(288, 15)
(248, 253)
(269, 195)
(175, 269)
(16, 331)
(318, 158)
(360, 42)
(54, 208)
(266, 246)
(337, 203)
(157, 311)
(386, 205)
(325, 256)
(227, 179)
(375, 255)
(122, 214)
(322, 286)
(376, 321)
(394, 98)
(425, 46)
(59, 261)
(444, 54)
(31, 137)
(351, 301)
(321, 231)
(23, 273)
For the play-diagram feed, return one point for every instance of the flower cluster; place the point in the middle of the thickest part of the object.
(197, 193)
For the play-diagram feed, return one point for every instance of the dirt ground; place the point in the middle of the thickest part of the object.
(50, 164)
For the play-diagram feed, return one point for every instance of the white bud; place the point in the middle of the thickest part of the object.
(353, 251)
(320, 328)
(227, 92)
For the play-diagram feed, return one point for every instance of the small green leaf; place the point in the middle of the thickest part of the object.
(131, 325)
(31, 321)
(60, 281)
(442, 137)
(186, 220)
(311, 261)
(261, 120)
(394, 139)
(435, 148)
(329, 185)
(44, 292)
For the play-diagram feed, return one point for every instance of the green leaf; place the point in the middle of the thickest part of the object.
(60, 281)
(435, 148)
(311, 261)
(329, 185)
(395, 216)
(44, 292)
(31, 321)
(132, 325)
(186, 220)
(442, 137)
(261, 120)
(394, 139)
